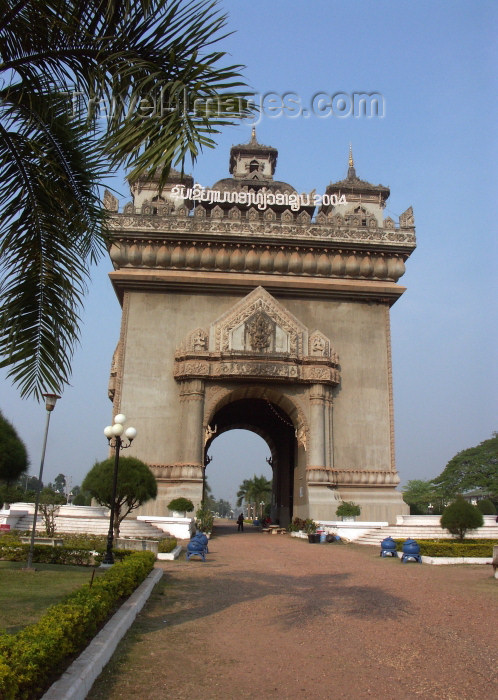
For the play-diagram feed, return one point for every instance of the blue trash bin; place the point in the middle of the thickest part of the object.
(411, 551)
(388, 548)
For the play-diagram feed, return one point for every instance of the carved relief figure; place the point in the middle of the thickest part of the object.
(260, 331)
(318, 346)
(199, 341)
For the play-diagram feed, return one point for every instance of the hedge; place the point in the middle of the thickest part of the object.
(37, 655)
(43, 554)
(450, 548)
(167, 545)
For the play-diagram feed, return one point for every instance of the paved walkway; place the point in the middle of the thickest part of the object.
(273, 616)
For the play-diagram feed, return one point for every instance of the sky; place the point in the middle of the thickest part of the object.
(434, 144)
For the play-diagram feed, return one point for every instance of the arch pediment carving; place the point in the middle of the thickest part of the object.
(258, 338)
(241, 328)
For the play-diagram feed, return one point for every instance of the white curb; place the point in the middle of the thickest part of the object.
(456, 560)
(77, 680)
(169, 556)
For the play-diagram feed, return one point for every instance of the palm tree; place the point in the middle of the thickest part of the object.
(244, 492)
(79, 79)
(254, 491)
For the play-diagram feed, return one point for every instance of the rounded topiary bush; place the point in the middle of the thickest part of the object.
(348, 509)
(461, 516)
(486, 507)
(181, 505)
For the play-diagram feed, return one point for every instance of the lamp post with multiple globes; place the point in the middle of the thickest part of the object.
(114, 435)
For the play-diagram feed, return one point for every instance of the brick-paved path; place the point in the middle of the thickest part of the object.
(273, 616)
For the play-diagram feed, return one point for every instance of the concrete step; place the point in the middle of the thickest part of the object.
(95, 526)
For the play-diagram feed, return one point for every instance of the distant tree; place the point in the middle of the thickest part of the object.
(223, 507)
(50, 503)
(13, 454)
(27, 488)
(80, 497)
(461, 516)
(30, 483)
(60, 483)
(476, 467)
(419, 494)
(83, 498)
(136, 485)
(10, 494)
(486, 506)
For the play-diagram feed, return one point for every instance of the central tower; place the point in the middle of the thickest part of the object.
(250, 305)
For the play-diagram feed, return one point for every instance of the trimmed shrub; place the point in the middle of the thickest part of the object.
(181, 505)
(167, 545)
(32, 659)
(348, 509)
(461, 516)
(449, 548)
(486, 507)
(44, 554)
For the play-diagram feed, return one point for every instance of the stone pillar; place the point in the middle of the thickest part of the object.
(192, 409)
(329, 435)
(317, 448)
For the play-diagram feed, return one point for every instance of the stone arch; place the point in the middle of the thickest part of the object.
(290, 406)
(278, 420)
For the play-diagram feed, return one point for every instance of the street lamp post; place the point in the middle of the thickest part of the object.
(113, 434)
(50, 401)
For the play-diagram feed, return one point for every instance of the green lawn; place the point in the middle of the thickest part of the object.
(25, 595)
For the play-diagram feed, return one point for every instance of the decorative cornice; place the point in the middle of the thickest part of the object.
(351, 477)
(177, 471)
(237, 367)
(365, 477)
(257, 259)
(326, 228)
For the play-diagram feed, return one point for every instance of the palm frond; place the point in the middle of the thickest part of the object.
(109, 52)
(51, 229)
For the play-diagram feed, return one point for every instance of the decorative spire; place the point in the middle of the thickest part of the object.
(351, 170)
(253, 135)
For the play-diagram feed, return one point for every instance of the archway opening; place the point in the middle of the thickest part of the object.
(273, 425)
(235, 455)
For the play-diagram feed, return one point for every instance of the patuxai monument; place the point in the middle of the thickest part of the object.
(248, 305)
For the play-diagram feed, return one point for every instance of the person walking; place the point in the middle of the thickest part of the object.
(240, 523)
